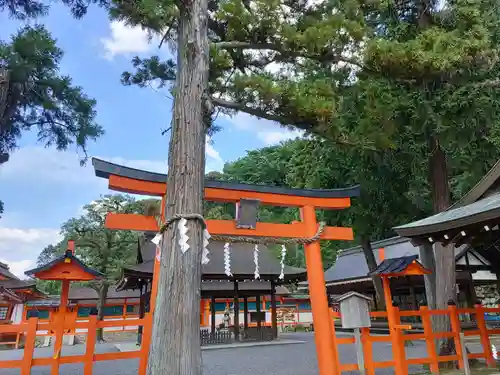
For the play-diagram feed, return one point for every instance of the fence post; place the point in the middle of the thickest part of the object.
(367, 351)
(59, 335)
(429, 339)
(455, 328)
(90, 345)
(146, 341)
(398, 349)
(335, 345)
(485, 339)
(29, 346)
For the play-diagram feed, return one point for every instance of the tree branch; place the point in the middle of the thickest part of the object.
(285, 121)
(252, 111)
(325, 57)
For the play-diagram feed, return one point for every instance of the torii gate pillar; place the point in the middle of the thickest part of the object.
(307, 200)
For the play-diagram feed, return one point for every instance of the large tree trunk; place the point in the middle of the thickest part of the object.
(103, 295)
(444, 255)
(426, 253)
(175, 345)
(372, 266)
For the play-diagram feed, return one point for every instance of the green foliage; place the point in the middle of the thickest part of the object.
(384, 178)
(26, 9)
(40, 98)
(50, 287)
(104, 250)
(33, 93)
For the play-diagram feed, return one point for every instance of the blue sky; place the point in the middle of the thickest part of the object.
(41, 188)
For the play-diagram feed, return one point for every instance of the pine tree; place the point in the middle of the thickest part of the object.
(359, 73)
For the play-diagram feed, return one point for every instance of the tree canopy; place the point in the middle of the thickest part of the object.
(34, 95)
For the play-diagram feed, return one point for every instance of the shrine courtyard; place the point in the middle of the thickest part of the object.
(292, 359)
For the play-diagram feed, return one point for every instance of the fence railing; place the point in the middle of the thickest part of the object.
(29, 331)
(401, 333)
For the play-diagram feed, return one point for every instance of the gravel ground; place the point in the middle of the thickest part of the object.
(294, 359)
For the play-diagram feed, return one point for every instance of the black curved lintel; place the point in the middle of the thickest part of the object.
(105, 169)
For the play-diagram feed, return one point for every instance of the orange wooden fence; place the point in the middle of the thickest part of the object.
(398, 335)
(29, 329)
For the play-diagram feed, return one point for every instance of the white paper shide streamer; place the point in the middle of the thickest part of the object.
(183, 237)
(157, 241)
(256, 261)
(205, 252)
(227, 259)
(282, 262)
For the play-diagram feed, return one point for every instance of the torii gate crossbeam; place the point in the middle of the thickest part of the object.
(136, 181)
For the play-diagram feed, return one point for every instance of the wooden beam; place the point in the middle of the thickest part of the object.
(228, 228)
(132, 186)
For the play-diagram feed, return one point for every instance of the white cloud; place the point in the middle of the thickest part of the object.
(268, 132)
(47, 166)
(19, 248)
(125, 40)
(39, 165)
(275, 137)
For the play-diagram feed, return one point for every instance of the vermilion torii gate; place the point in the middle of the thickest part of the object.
(135, 181)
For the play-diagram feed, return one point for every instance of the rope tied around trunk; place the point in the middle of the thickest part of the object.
(242, 239)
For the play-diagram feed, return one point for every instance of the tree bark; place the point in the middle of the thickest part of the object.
(175, 345)
(372, 266)
(426, 253)
(103, 294)
(444, 255)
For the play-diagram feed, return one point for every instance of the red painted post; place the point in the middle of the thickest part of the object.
(90, 345)
(59, 323)
(485, 339)
(325, 341)
(429, 339)
(367, 351)
(146, 342)
(455, 328)
(29, 346)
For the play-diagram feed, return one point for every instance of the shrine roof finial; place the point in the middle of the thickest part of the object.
(65, 267)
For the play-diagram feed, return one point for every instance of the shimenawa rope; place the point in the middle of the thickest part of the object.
(241, 239)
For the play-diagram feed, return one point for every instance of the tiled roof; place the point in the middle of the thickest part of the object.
(242, 262)
(5, 272)
(351, 263)
(61, 259)
(394, 265)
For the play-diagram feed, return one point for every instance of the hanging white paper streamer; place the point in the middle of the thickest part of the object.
(227, 259)
(205, 252)
(157, 239)
(183, 237)
(282, 262)
(256, 261)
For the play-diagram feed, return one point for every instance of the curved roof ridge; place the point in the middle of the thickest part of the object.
(480, 188)
(105, 169)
